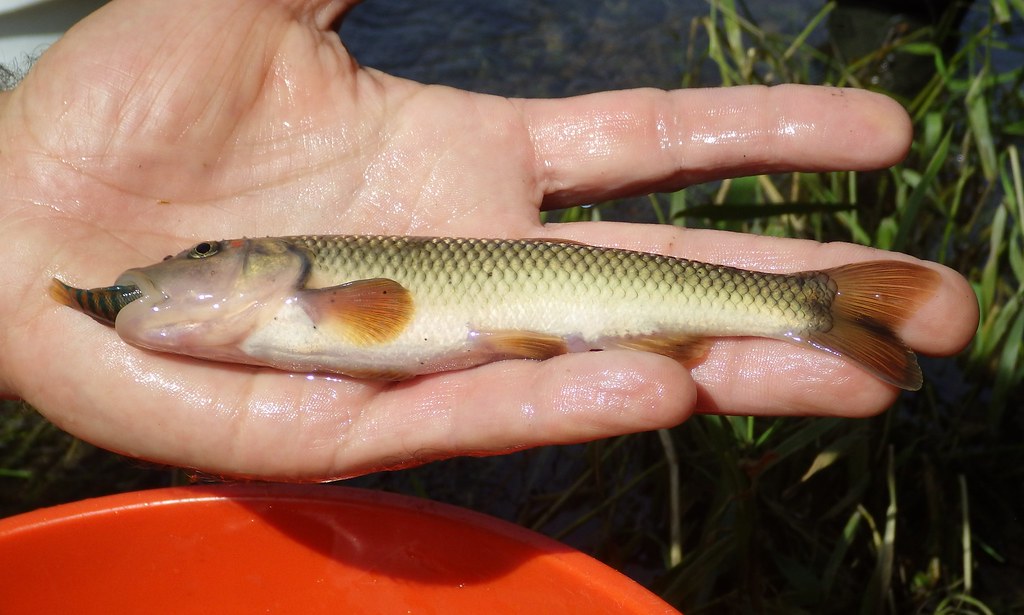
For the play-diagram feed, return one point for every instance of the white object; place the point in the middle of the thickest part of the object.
(28, 27)
(9, 6)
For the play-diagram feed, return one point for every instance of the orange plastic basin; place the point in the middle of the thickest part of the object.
(294, 549)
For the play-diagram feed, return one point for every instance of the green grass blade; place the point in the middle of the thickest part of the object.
(980, 123)
(926, 183)
(812, 25)
(751, 211)
(877, 593)
(838, 555)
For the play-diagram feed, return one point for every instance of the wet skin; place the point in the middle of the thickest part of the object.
(153, 125)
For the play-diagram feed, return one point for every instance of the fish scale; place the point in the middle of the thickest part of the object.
(395, 307)
(565, 268)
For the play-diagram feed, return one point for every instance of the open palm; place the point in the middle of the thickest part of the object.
(153, 125)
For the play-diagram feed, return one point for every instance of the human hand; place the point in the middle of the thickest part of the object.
(153, 125)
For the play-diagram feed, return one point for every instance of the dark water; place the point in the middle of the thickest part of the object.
(534, 49)
(539, 49)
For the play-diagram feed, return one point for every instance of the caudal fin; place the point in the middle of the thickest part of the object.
(102, 304)
(872, 301)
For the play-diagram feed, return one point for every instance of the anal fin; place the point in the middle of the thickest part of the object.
(388, 375)
(519, 344)
(685, 348)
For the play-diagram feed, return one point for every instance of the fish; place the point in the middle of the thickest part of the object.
(395, 307)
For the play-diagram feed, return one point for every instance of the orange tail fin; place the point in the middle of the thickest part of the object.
(872, 301)
(102, 304)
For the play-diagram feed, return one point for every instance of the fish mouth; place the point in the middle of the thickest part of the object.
(102, 304)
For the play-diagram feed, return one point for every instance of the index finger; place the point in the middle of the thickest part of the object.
(611, 144)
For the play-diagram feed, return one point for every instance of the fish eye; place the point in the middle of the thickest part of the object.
(204, 249)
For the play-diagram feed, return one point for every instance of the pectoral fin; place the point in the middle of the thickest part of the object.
(365, 311)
